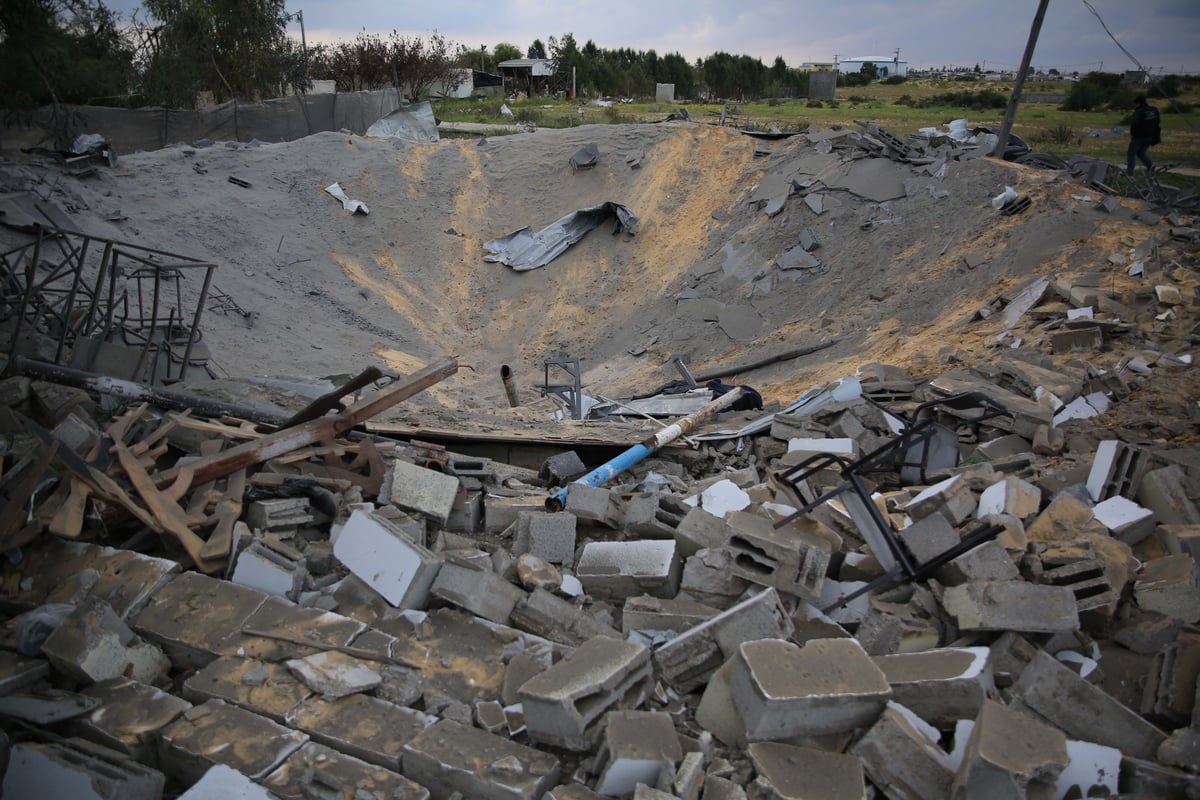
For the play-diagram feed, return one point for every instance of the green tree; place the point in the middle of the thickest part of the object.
(506, 51)
(233, 48)
(537, 49)
(62, 51)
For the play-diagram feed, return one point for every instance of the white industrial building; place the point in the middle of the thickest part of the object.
(893, 64)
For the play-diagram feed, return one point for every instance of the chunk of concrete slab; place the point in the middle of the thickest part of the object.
(280, 619)
(708, 578)
(1168, 492)
(420, 490)
(786, 772)
(333, 674)
(827, 686)
(263, 569)
(940, 686)
(663, 614)
(223, 783)
(93, 644)
(316, 771)
(637, 747)
(565, 704)
(218, 733)
(616, 570)
(1125, 519)
(901, 755)
(1082, 710)
(194, 618)
(1010, 755)
(952, 498)
(698, 530)
(129, 717)
(1012, 606)
(263, 687)
(593, 504)
(382, 556)
(448, 757)
(78, 770)
(365, 727)
(1011, 495)
(551, 617)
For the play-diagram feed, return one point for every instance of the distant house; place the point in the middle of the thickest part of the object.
(894, 66)
(816, 66)
(529, 75)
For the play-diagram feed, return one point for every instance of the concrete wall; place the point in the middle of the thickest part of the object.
(664, 92)
(822, 85)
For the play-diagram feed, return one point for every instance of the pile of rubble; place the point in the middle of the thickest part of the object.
(960, 586)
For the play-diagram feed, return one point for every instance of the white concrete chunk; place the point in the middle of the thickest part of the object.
(376, 551)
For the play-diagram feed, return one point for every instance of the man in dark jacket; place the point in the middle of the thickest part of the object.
(1143, 132)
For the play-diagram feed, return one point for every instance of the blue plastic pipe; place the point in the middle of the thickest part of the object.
(614, 467)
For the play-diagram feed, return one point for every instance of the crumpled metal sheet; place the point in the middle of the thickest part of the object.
(525, 250)
(415, 123)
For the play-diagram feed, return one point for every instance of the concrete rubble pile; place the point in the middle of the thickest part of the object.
(200, 608)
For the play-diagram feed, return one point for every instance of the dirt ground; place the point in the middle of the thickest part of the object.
(331, 293)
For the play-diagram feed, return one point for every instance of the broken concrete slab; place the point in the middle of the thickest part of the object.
(93, 644)
(481, 592)
(362, 726)
(638, 747)
(315, 769)
(332, 674)
(901, 756)
(941, 686)
(1012, 606)
(786, 772)
(218, 733)
(129, 717)
(263, 687)
(1010, 755)
(1170, 585)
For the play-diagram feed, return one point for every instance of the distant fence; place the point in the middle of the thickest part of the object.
(130, 130)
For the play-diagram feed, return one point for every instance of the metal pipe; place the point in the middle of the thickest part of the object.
(510, 386)
(611, 469)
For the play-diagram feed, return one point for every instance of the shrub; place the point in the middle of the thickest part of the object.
(894, 80)
(905, 100)
(1060, 134)
(858, 98)
(528, 115)
(815, 104)
(1177, 107)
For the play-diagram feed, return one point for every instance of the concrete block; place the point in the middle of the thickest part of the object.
(376, 551)
(593, 504)
(1169, 695)
(1125, 519)
(573, 791)
(988, 561)
(644, 792)
(1076, 566)
(663, 614)
(449, 757)
(1012, 496)
(548, 536)
(129, 717)
(218, 733)
(940, 686)
(551, 617)
(501, 512)
(1170, 585)
(263, 687)
(93, 644)
(1168, 492)
(616, 570)
(699, 530)
(928, 537)
(560, 469)
(76, 433)
(481, 592)
(717, 788)
(952, 498)
(1117, 470)
(638, 746)
(54, 402)
(466, 515)
(1010, 755)
(564, 705)
(77, 770)
(1012, 606)
(420, 490)
(828, 686)
(261, 568)
(223, 783)
(318, 771)
(708, 578)
(195, 618)
(278, 514)
(282, 618)
(786, 772)
(901, 756)
(792, 559)
(1082, 710)
(687, 661)
(645, 517)
(892, 628)
(124, 579)
(362, 726)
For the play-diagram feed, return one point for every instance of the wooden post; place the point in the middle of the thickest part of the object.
(1011, 114)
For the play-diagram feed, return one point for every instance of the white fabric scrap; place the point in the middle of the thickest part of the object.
(353, 206)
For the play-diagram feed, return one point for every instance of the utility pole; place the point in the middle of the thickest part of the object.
(1011, 114)
(299, 15)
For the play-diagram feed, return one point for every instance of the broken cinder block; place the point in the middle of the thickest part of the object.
(449, 757)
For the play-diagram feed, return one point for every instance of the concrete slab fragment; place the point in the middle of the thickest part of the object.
(316, 770)
(218, 733)
(378, 552)
(449, 757)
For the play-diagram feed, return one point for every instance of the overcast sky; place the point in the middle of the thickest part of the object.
(1161, 34)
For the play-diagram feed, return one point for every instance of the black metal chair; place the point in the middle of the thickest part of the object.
(923, 445)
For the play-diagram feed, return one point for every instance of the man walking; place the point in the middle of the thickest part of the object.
(1143, 132)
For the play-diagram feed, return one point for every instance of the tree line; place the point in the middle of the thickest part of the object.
(171, 51)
